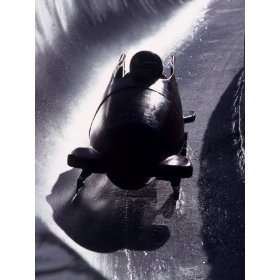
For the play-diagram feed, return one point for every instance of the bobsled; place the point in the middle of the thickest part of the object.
(137, 133)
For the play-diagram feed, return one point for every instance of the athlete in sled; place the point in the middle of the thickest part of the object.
(137, 133)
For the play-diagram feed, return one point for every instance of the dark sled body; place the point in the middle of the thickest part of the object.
(137, 132)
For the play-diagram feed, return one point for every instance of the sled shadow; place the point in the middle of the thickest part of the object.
(104, 218)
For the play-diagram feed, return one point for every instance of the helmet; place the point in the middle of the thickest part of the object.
(145, 66)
